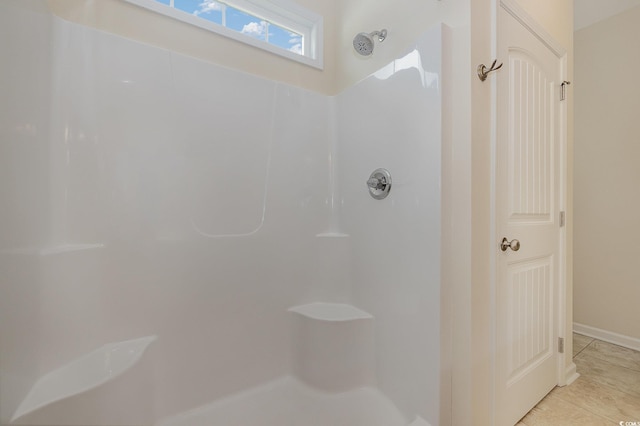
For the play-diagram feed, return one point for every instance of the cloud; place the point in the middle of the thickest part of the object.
(296, 48)
(296, 43)
(207, 6)
(255, 29)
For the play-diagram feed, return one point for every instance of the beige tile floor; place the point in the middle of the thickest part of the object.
(606, 393)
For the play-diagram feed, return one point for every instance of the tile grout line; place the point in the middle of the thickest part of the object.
(586, 346)
(577, 407)
(604, 375)
(586, 410)
(608, 361)
(601, 385)
(594, 354)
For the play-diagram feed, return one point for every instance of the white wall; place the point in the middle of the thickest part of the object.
(169, 196)
(24, 168)
(469, 197)
(25, 121)
(405, 20)
(607, 233)
(393, 119)
(130, 171)
(588, 12)
(136, 23)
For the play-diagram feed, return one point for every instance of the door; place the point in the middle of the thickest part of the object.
(527, 210)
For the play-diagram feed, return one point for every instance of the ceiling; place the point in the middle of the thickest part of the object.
(588, 12)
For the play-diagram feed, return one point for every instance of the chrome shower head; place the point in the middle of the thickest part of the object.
(363, 42)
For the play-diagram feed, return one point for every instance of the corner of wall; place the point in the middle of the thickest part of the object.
(404, 20)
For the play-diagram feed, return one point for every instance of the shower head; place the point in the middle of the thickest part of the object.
(363, 42)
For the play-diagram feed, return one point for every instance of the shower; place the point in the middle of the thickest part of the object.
(140, 282)
(363, 42)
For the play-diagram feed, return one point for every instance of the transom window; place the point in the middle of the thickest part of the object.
(278, 26)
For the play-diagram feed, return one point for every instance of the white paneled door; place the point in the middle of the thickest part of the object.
(527, 212)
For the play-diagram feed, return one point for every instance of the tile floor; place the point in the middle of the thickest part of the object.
(606, 393)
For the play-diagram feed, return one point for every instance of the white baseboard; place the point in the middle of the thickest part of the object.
(570, 374)
(607, 336)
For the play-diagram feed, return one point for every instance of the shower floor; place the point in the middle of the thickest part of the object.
(289, 402)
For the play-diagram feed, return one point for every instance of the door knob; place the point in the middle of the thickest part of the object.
(513, 245)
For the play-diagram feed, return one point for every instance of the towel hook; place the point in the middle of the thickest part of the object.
(483, 72)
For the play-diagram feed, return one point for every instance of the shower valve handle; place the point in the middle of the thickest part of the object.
(379, 183)
(376, 183)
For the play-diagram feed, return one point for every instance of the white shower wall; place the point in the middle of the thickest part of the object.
(393, 120)
(148, 193)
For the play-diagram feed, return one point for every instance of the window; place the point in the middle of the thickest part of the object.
(278, 26)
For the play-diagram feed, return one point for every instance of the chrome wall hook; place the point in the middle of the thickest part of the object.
(483, 72)
(563, 90)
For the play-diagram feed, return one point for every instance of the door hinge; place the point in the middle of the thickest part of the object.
(563, 90)
(561, 345)
(563, 219)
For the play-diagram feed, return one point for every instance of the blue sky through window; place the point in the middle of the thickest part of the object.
(246, 24)
(241, 22)
(285, 39)
(208, 9)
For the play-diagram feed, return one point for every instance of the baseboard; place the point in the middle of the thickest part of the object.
(570, 374)
(607, 336)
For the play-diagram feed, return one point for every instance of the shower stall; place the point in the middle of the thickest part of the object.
(186, 244)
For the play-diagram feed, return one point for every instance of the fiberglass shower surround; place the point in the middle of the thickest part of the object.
(178, 209)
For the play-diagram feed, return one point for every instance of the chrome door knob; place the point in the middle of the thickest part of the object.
(513, 245)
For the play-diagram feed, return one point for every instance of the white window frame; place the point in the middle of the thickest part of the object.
(283, 13)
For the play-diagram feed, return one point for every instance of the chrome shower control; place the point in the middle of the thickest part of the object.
(379, 183)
